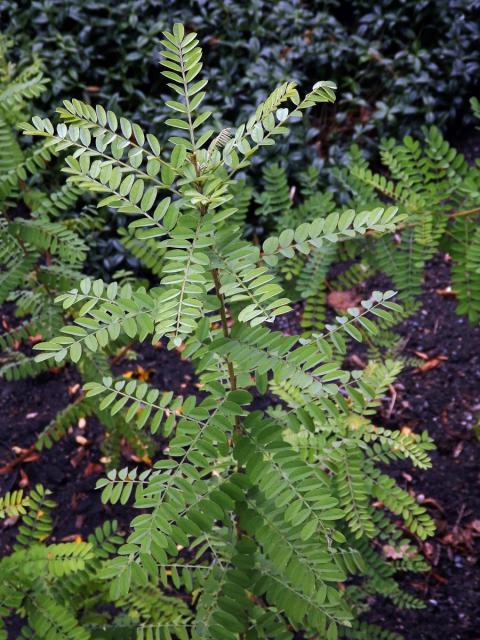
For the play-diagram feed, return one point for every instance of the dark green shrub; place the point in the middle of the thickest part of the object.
(396, 64)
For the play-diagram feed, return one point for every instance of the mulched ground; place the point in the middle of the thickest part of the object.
(444, 399)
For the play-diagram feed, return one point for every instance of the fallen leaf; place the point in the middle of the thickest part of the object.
(402, 551)
(139, 373)
(438, 577)
(431, 501)
(10, 521)
(27, 455)
(421, 354)
(73, 389)
(357, 361)
(35, 339)
(448, 292)
(32, 415)
(24, 481)
(55, 370)
(343, 300)
(92, 468)
(458, 450)
(78, 457)
(69, 538)
(430, 364)
(145, 459)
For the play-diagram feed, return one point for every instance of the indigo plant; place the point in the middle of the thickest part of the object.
(255, 518)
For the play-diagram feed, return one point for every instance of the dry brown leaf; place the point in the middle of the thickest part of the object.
(392, 553)
(24, 481)
(458, 449)
(27, 455)
(145, 459)
(78, 457)
(10, 521)
(357, 361)
(71, 537)
(55, 370)
(92, 468)
(447, 292)
(430, 364)
(139, 373)
(421, 355)
(343, 300)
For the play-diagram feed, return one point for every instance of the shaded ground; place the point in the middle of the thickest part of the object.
(444, 400)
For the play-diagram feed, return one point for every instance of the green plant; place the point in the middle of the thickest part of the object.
(17, 88)
(57, 589)
(44, 245)
(439, 192)
(256, 517)
(28, 225)
(436, 190)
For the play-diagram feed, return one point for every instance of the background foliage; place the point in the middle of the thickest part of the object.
(396, 63)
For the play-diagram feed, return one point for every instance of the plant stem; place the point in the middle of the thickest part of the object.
(231, 371)
(226, 332)
(467, 212)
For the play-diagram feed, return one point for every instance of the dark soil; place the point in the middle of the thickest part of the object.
(71, 468)
(444, 400)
